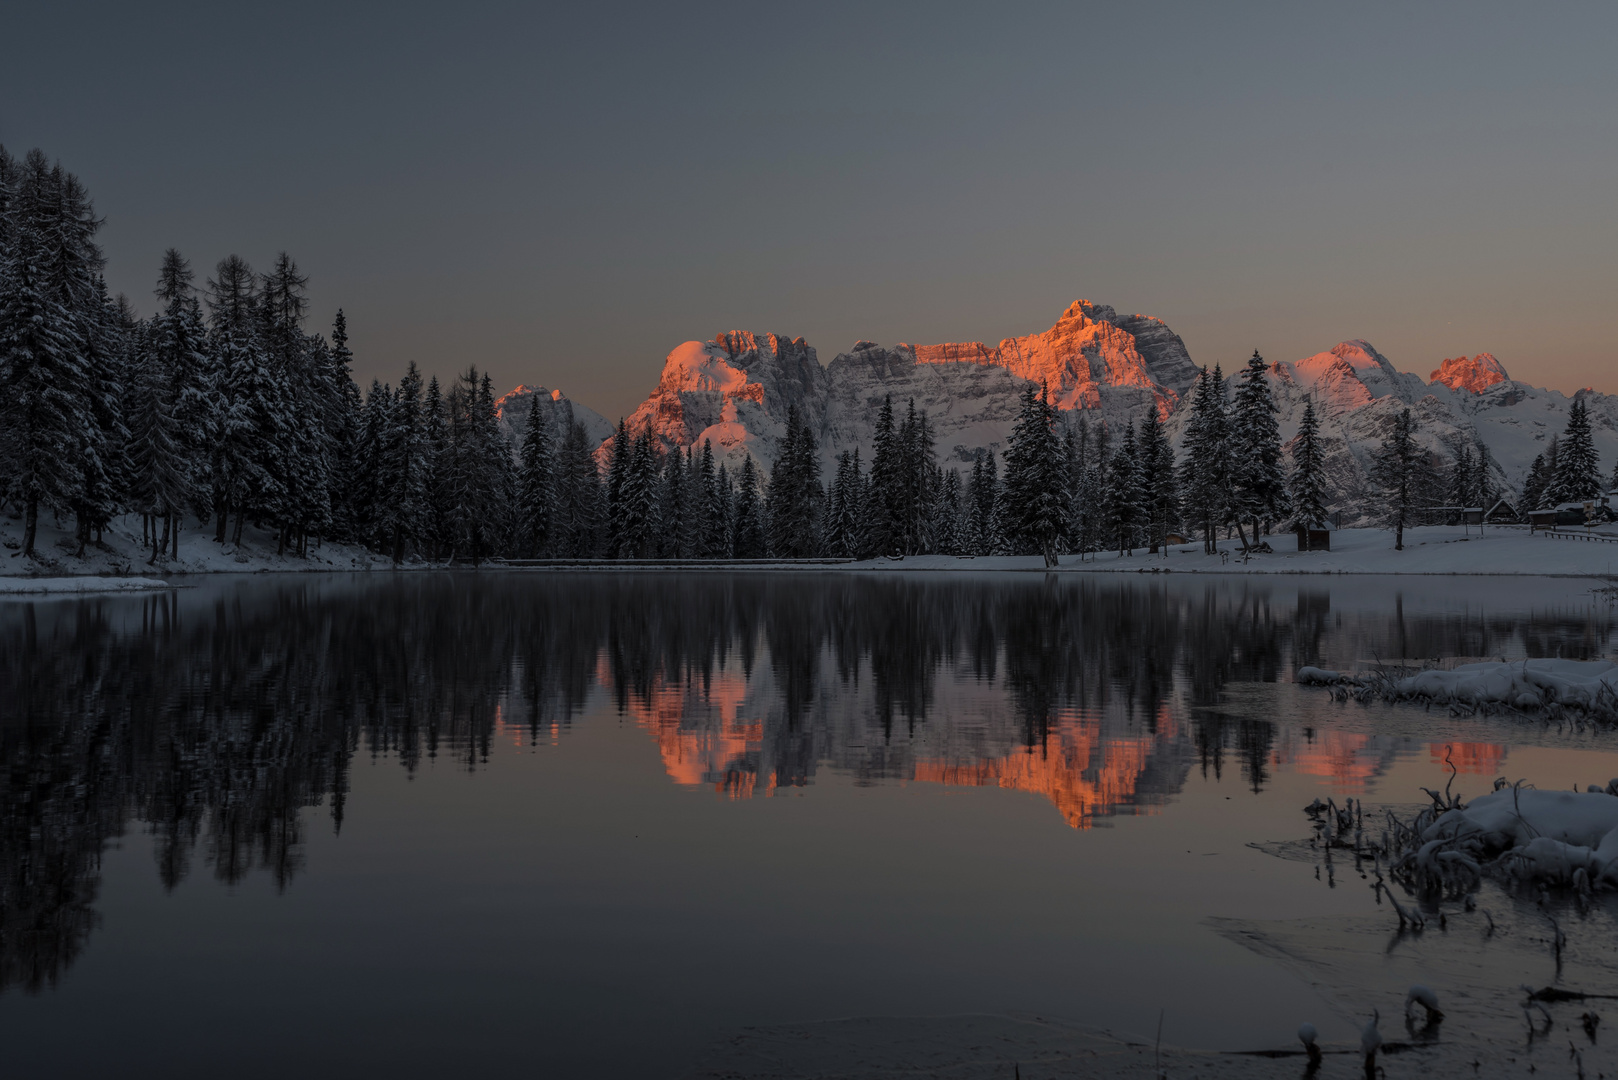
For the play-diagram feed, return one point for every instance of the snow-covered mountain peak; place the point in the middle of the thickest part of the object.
(1473, 375)
(512, 412)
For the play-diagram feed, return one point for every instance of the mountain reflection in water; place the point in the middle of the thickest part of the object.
(216, 716)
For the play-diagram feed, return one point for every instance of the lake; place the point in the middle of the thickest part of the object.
(480, 823)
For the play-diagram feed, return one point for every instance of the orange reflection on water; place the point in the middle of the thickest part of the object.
(1348, 759)
(701, 735)
(1083, 773)
(1475, 758)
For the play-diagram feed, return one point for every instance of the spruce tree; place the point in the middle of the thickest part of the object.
(1159, 492)
(1034, 513)
(1307, 485)
(536, 483)
(714, 530)
(1578, 467)
(749, 524)
(1258, 489)
(1125, 494)
(438, 474)
(407, 471)
(639, 499)
(843, 526)
(622, 451)
(579, 497)
(884, 521)
(1534, 487)
(1204, 462)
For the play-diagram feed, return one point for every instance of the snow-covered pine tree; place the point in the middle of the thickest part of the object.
(159, 473)
(48, 311)
(749, 526)
(617, 469)
(1258, 487)
(984, 496)
(842, 536)
(1126, 494)
(639, 499)
(1534, 487)
(178, 338)
(436, 471)
(500, 465)
(884, 524)
(674, 511)
(1462, 484)
(726, 517)
(1157, 487)
(300, 461)
(406, 471)
(343, 432)
(247, 435)
(1204, 460)
(1404, 474)
(1307, 484)
(713, 532)
(915, 482)
(578, 495)
(793, 504)
(950, 515)
(1578, 467)
(372, 465)
(1032, 507)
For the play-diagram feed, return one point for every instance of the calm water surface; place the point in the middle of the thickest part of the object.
(587, 825)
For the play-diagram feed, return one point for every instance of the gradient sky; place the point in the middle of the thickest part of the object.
(563, 194)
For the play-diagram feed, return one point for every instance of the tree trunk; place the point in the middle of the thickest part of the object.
(222, 513)
(241, 519)
(178, 520)
(1399, 534)
(1242, 533)
(30, 527)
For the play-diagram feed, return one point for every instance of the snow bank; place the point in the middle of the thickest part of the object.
(31, 586)
(1551, 836)
(1586, 684)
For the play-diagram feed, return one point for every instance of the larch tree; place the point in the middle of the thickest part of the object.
(1404, 474)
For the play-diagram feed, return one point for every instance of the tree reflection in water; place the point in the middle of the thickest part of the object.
(216, 717)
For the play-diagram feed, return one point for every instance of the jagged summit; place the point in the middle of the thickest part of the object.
(1474, 376)
(736, 390)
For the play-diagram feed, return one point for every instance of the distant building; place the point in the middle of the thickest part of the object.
(1502, 513)
(1316, 537)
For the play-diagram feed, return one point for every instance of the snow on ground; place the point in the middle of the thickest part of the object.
(1525, 684)
(1429, 550)
(121, 554)
(35, 585)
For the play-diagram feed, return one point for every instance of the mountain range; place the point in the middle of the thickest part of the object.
(736, 390)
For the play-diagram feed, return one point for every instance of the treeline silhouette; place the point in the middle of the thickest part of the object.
(215, 717)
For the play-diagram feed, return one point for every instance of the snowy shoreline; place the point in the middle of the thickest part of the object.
(1436, 551)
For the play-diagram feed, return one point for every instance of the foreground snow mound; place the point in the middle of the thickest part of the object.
(31, 586)
(1559, 837)
(1528, 684)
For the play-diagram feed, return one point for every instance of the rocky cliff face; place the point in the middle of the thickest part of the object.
(736, 390)
(1474, 376)
(513, 409)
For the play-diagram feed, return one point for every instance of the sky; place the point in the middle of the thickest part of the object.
(560, 195)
